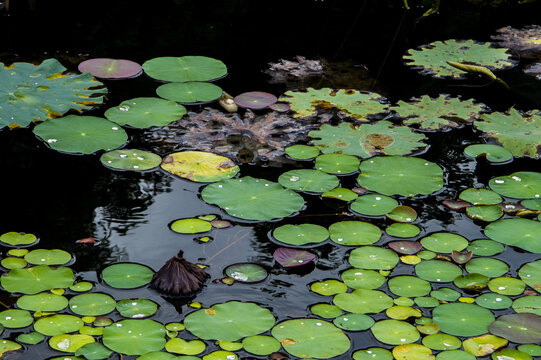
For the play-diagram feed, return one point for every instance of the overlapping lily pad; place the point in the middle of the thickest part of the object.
(339, 164)
(134, 337)
(288, 257)
(130, 159)
(522, 233)
(70, 343)
(144, 112)
(253, 199)
(524, 328)
(432, 58)
(48, 257)
(530, 273)
(200, 166)
(185, 68)
(107, 68)
(246, 272)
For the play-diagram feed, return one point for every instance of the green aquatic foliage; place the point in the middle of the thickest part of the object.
(461, 319)
(494, 301)
(31, 338)
(528, 304)
(47, 257)
(81, 134)
(15, 318)
(13, 263)
(493, 153)
(308, 180)
(185, 68)
(340, 194)
(403, 230)
(338, 164)
(362, 279)
(40, 92)
(523, 328)
(351, 103)
(181, 346)
(395, 332)
(144, 112)
(36, 279)
(92, 304)
(13, 238)
(437, 271)
(438, 113)
(130, 159)
(486, 213)
(200, 166)
(58, 324)
(397, 175)
(373, 354)
(480, 196)
(515, 131)
(409, 286)
(354, 233)
(373, 258)
(253, 199)
(44, 302)
(442, 342)
(373, 204)
(261, 344)
(190, 226)
(302, 152)
(70, 343)
(402, 214)
(444, 242)
(432, 58)
(246, 272)
(328, 287)
(189, 92)
(8, 345)
(366, 140)
(93, 351)
(485, 247)
(314, 338)
(126, 275)
(354, 322)
(302, 234)
(134, 337)
(506, 286)
(530, 273)
(521, 233)
(518, 185)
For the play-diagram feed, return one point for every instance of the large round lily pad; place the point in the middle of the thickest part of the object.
(92, 304)
(106, 68)
(36, 279)
(354, 233)
(189, 92)
(522, 233)
(200, 166)
(127, 275)
(302, 234)
(524, 328)
(130, 159)
(185, 68)
(373, 258)
(461, 319)
(406, 176)
(229, 321)
(134, 337)
(518, 185)
(81, 134)
(58, 324)
(308, 180)
(253, 199)
(144, 112)
(311, 338)
(395, 332)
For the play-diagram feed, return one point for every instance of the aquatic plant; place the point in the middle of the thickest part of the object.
(184, 68)
(144, 112)
(523, 42)
(106, 68)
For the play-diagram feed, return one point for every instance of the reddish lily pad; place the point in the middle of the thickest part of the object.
(106, 68)
(455, 204)
(523, 328)
(461, 257)
(406, 247)
(255, 100)
(402, 213)
(293, 257)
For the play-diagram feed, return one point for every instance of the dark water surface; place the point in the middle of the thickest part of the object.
(62, 198)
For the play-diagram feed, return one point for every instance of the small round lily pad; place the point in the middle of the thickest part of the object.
(288, 257)
(338, 164)
(107, 68)
(136, 308)
(134, 337)
(302, 234)
(493, 153)
(326, 311)
(373, 204)
(15, 318)
(444, 242)
(403, 230)
(13, 263)
(190, 226)
(485, 247)
(127, 275)
(200, 166)
(189, 92)
(302, 152)
(308, 180)
(130, 159)
(340, 194)
(373, 258)
(255, 100)
(494, 301)
(374, 353)
(486, 213)
(48, 257)
(144, 112)
(354, 233)
(437, 270)
(42, 302)
(519, 185)
(261, 344)
(395, 332)
(362, 279)
(246, 272)
(328, 287)
(31, 338)
(480, 196)
(363, 301)
(58, 324)
(354, 322)
(92, 304)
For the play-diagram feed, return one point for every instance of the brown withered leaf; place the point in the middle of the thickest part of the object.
(525, 42)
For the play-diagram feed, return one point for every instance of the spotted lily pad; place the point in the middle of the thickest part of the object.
(253, 199)
(354, 233)
(37, 93)
(127, 275)
(18, 239)
(134, 337)
(493, 153)
(36, 279)
(432, 58)
(185, 68)
(373, 204)
(81, 134)
(363, 301)
(519, 133)
(409, 286)
(106, 68)
(519, 185)
(442, 342)
(293, 257)
(480, 196)
(302, 234)
(373, 354)
(354, 103)
(144, 112)
(437, 113)
(523, 328)
(130, 159)
(189, 92)
(367, 140)
(307, 338)
(329, 287)
(200, 166)
(462, 319)
(255, 100)
(522, 233)
(246, 272)
(308, 180)
(406, 176)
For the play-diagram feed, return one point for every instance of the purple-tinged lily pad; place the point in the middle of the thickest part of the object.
(106, 68)
(293, 257)
(456, 204)
(406, 247)
(280, 107)
(255, 100)
(523, 328)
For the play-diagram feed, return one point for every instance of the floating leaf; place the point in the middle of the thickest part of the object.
(36, 279)
(461, 258)
(494, 301)
(455, 204)
(409, 286)
(47, 257)
(292, 257)
(42, 302)
(189, 92)
(31, 338)
(308, 180)
(480, 196)
(373, 354)
(395, 332)
(354, 103)
(255, 100)
(221, 355)
(528, 304)
(519, 133)
(302, 234)
(127, 275)
(354, 322)
(522, 233)
(444, 242)
(339, 164)
(92, 304)
(363, 301)
(354, 233)
(530, 273)
(362, 279)
(181, 346)
(311, 338)
(511, 354)
(18, 239)
(462, 319)
(373, 204)
(506, 286)
(471, 281)
(437, 113)
(81, 134)
(130, 159)
(493, 153)
(13, 263)
(106, 68)
(93, 351)
(70, 343)
(399, 175)
(328, 287)
(406, 247)
(144, 112)
(454, 355)
(437, 271)
(326, 311)
(134, 337)
(486, 213)
(302, 152)
(253, 199)
(190, 226)
(261, 344)
(229, 321)
(185, 68)
(442, 342)
(524, 328)
(367, 140)
(200, 166)
(15, 318)
(403, 230)
(432, 58)
(487, 266)
(246, 272)
(372, 257)
(58, 324)
(340, 194)
(519, 185)
(485, 247)
(37, 93)
(403, 214)
(532, 349)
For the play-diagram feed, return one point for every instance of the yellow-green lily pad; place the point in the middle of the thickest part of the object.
(199, 166)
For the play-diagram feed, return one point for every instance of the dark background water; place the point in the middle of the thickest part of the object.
(62, 198)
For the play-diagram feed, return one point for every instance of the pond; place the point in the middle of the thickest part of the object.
(425, 251)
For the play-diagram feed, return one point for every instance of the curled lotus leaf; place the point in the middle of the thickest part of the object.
(366, 140)
(517, 132)
(81, 134)
(493, 153)
(438, 113)
(253, 199)
(432, 58)
(144, 112)
(461, 319)
(134, 337)
(354, 103)
(523, 328)
(523, 42)
(106, 68)
(40, 92)
(518, 185)
(36, 279)
(185, 68)
(229, 321)
(311, 338)
(200, 166)
(522, 233)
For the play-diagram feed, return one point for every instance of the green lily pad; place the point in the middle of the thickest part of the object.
(373, 258)
(485, 247)
(302, 152)
(362, 279)
(185, 68)
(246, 272)
(328, 287)
(144, 112)
(454, 355)
(127, 275)
(81, 134)
(432, 58)
(261, 344)
(160, 355)
(412, 352)
(426, 302)
(354, 103)
(221, 355)
(229, 321)
(82, 286)
(445, 294)
(437, 271)
(308, 180)
(339, 164)
(18, 239)
(373, 204)
(189, 92)
(511, 354)
(403, 230)
(409, 286)
(302, 234)
(130, 159)
(494, 301)
(532, 349)
(395, 332)
(253, 199)
(200, 166)
(399, 175)
(493, 153)
(523, 328)
(13, 263)
(326, 311)
(442, 342)
(311, 338)
(8, 345)
(190, 226)
(437, 113)
(462, 319)
(36, 279)
(181, 346)
(134, 337)
(444, 242)
(367, 140)
(402, 312)
(471, 281)
(480, 197)
(533, 204)
(530, 273)
(229, 345)
(522, 233)
(373, 354)
(93, 351)
(70, 343)
(58, 324)
(519, 133)
(92, 304)
(403, 214)
(528, 304)
(44, 302)
(340, 194)
(483, 345)
(48, 257)
(15, 318)
(31, 338)
(519, 185)
(506, 286)
(38, 93)
(354, 233)
(486, 213)
(17, 252)
(363, 301)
